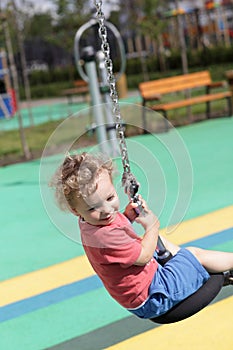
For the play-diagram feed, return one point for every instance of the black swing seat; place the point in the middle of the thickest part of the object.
(195, 302)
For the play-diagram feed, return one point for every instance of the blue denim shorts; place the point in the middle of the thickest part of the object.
(180, 277)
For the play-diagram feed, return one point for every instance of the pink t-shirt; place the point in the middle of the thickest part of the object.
(112, 251)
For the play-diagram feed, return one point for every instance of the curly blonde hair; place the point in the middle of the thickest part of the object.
(77, 177)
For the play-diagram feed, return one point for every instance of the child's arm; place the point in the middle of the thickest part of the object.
(151, 225)
(149, 242)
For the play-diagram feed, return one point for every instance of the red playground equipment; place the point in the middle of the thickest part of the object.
(8, 105)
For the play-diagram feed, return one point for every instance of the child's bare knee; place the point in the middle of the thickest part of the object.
(197, 252)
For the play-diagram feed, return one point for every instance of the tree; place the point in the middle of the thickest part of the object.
(182, 40)
(153, 24)
(20, 40)
(9, 48)
(40, 24)
(143, 18)
(70, 15)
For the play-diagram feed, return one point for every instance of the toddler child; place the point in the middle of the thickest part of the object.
(125, 262)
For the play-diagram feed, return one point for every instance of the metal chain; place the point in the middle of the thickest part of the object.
(113, 92)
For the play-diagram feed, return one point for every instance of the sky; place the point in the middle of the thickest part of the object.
(47, 5)
(41, 5)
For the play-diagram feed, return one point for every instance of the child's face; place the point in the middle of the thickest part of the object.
(101, 207)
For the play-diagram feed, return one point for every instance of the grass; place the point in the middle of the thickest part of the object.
(10, 143)
(179, 117)
(37, 137)
(11, 150)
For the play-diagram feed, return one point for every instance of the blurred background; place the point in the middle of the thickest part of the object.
(37, 51)
(44, 33)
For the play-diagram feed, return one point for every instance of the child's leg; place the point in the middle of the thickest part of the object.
(213, 261)
(173, 248)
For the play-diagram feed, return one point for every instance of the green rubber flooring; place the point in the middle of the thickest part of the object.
(30, 241)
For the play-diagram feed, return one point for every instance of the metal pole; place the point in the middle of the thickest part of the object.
(183, 54)
(88, 57)
(182, 40)
(108, 104)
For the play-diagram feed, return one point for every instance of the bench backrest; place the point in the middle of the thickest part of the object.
(173, 84)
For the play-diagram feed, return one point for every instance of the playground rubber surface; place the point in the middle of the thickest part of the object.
(43, 111)
(50, 297)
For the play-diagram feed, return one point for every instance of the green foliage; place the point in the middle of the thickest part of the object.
(151, 23)
(196, 60)
(43, 91)
(58, 74)
(47, 84)
(70, 15)
(40, 24)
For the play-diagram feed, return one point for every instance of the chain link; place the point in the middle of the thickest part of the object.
(113, 92)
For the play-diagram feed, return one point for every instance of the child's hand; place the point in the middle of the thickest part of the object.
(130, 212)
(147, 218)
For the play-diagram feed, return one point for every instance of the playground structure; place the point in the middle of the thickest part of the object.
(8, 104)
(91, 66)
(203, 26)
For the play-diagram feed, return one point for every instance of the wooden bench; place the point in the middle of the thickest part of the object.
(80, 88)
(152, 91)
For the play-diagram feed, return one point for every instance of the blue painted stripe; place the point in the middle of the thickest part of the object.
(212, 240)
(89, 284)
(48, 298)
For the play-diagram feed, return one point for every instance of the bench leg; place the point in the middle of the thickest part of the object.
(166, 121)
(144, 119)
(208, 110)
(70, 100)
(229, 103)
(144, 123)
(165, 118)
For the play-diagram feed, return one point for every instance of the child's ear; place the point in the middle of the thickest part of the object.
(74, 211)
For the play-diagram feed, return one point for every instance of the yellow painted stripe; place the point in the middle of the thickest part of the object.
(209, 329)
(40, 281)
(201, 226)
